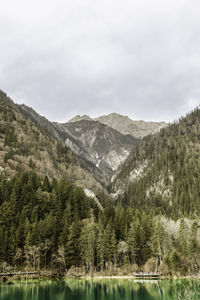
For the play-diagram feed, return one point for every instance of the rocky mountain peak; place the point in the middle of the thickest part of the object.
(100, 144)
(125, 125)
(78, 118)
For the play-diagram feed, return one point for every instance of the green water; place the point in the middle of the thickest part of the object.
(105, 289)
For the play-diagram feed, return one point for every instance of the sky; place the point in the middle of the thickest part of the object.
(139, 58)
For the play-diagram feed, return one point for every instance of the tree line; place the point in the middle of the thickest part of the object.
(52, 225)
(170, 179)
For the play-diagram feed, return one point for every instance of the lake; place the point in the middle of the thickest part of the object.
(101, 289)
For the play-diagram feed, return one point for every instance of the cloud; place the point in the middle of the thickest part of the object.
(140, 58)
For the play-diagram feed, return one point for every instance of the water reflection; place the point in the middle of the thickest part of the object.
(104, 289)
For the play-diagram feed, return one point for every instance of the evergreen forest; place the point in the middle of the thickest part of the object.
(48, 224)
(53, 226)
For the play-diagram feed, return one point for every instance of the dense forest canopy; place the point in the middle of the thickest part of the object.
(169, 164)
(54, 225)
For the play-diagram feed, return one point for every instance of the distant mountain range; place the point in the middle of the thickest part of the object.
(100, 148)
(140, 202)
(125, 125)
(100, 145)
(159, 171)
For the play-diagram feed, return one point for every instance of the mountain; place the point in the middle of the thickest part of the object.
(58, 132)
(125, 125)
(80, 118)
(162, 172)
(99, 148)
(99, 143)
(25, 144)
(55, 226)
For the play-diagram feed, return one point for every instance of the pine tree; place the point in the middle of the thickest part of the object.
(88, 243)
(157, 242)
(182, 238)
(101, 248)
(113, 248)
(72, 249)
(46, 185)
(193, 249)
(132, 243)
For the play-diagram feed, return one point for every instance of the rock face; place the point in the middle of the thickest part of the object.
(163, 170)
(99, 148)
(101, 145)
(125, 125)
(80, 118)
(58, 131)
(105, 147)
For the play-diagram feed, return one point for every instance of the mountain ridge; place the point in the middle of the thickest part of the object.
(101, 163)
(23, 144)
(124, 124)
(163, 170)
(99, 148)
(153, 225)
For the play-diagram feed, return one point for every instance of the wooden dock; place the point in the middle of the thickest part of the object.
(146, 275)
(10, 274)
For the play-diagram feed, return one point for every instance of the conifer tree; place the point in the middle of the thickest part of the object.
(88, 244)
(72, 249)
(132, 243)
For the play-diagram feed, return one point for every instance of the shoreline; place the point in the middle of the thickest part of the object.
(136, 278)
(10, 280)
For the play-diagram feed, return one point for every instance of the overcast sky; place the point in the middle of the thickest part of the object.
(140, 58)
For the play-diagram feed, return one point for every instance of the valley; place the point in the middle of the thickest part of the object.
(90, 197)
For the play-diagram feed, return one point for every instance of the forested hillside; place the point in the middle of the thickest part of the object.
(52, 225)
(163, 172)
(24, 145)
(48, 223)
(37, 217)
(99, 148)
